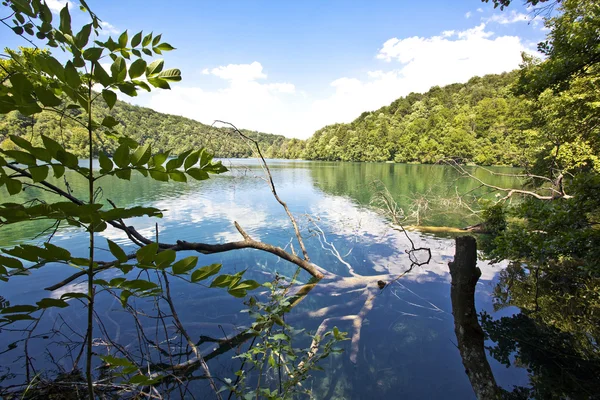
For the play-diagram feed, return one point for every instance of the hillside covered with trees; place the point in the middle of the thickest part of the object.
(480, 121)
(162, 131)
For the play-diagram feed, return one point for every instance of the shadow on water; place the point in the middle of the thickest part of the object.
(407, 342)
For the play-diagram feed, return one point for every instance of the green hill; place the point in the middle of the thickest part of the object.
(163, 131)
(479, 121)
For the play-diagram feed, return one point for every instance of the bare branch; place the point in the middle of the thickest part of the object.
(272, 186)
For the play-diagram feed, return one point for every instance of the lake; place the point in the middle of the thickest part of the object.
(407, 343)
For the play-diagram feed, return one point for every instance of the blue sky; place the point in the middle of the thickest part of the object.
(291, 67)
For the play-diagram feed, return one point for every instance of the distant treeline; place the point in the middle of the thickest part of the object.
(479, 121)
(162, 131)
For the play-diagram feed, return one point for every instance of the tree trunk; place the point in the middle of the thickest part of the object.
(465, 274)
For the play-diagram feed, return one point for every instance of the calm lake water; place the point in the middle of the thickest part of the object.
(407, 345)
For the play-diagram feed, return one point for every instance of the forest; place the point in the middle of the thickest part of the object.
(161, 131)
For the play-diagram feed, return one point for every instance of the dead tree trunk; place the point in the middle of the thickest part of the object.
(469, 334)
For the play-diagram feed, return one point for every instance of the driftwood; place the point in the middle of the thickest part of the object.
(477, 228)
(470, 337)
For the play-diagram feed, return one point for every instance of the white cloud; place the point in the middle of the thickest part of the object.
(108, 28)
(468, 14)
(239, 72)
(480, 10)
(243, 101)
(56, 5)
(248, 99)
(509, 18)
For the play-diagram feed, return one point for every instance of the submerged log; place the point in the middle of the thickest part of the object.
(477, 228)
(470, 337)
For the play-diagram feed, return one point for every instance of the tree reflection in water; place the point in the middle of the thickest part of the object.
(554, 336)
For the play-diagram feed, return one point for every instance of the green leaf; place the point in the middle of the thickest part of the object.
(123, 39)
(10, 262)
(13, 186)
(74, 295)
(47, 303)
(123, 174)
(159, 175)
(136, 39)
(155, 67)
(118, 362)
(101, 75)
(185, 265)
(147, 40)
(137, 68)
(117, 251)
(93, 53)
(191, 160)
(59, 170)
(159, 83)
(280, 336)
(139, 285)
(177, 162)
(47, 97)
(240, 293)
(224, 281)
(56, 252)
(65, 20)
(25, 308)
(277, 319)
(246, 285)
(118, 69)
(156, 40)
(39, 173)
(160, 158)
(146, 254)
(72, 75)
(116, 282)
(197, 174)
(41, 154)
(173, 75)
(29, 108)
(143, 380)
(121, 156)
(18, 317)
(21, 84)
(22, 143)
(141, 155)
(106, 164)
(141, 84)
(109, 97)
(109, 121)
(165, 258)
(52, 145)
(128, 88)
(81, 39)
(165, 47)
(177, 176)
(205, 272)
(125, 295)
(21, 157)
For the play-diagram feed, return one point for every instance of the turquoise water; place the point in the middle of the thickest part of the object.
(407, 345)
